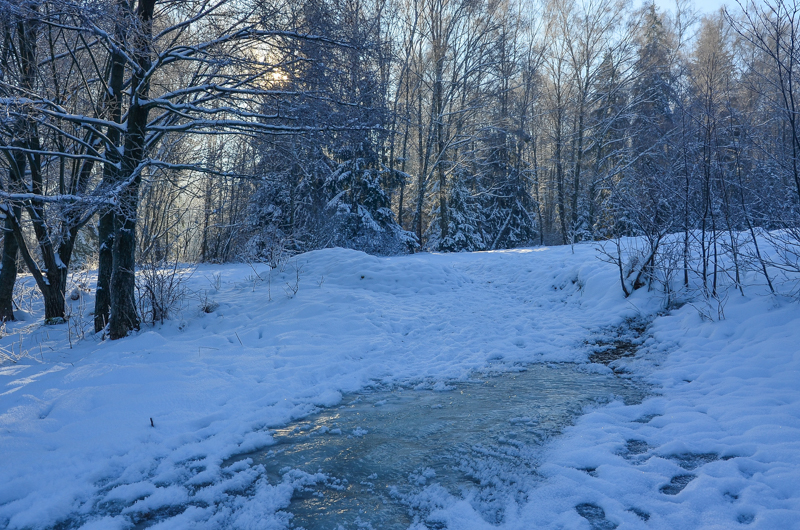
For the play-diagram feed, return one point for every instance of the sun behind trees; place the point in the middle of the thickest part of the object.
(98, 98)
(158, 131)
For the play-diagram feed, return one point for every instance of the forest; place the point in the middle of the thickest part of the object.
(140, 135)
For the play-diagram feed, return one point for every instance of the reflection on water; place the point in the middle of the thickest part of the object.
(394, 456)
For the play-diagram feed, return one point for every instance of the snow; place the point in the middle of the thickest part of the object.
(77, 444)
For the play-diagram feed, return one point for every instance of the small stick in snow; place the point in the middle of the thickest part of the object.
(237, 336)
(151, 423)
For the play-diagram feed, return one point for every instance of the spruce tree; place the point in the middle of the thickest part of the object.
(359, 210)
(464, 232)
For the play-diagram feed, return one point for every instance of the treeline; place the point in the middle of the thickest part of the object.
(138, 133)
(505, 124)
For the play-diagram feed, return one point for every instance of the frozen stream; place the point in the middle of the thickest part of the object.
(393, 456)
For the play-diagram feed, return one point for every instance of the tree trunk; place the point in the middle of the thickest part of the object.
(124, 318)
(8, 270)
(438, 115)
(8, 266)
(54, 303)
(102, 301)
(421, 170)
(576, 175)
(562, 214)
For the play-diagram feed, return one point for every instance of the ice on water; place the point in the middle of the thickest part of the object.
(390, 457)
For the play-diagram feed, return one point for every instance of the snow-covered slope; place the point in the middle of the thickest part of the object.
(76, 439)
(717, 448)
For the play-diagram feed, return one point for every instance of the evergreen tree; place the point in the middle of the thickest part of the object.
(464, 232)
(359, 210)
(508, 213)
(610, 122)
(643, 198)
(653, 89)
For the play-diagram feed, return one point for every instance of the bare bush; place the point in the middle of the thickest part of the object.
(635, 258)
(26, 295)
(786, 260)
(78, 323)
(160, 288)
(207, 305)
(291, 288)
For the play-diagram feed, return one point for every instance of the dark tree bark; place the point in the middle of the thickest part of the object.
(17, 163)
(51, 277)
(105, 227)
(51, 286)
(8, 266)
(124, 318)
(8, 269)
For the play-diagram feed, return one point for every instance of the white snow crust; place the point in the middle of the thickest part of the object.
(76, 439)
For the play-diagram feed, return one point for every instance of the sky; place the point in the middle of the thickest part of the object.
(709, 6)
(703, 6)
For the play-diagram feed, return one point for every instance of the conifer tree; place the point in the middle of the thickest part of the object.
(464, 232)
(358, 209)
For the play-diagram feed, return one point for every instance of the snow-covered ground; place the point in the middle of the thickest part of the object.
(77, 446)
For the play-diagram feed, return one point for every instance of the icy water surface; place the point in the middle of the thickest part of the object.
(394, 456)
